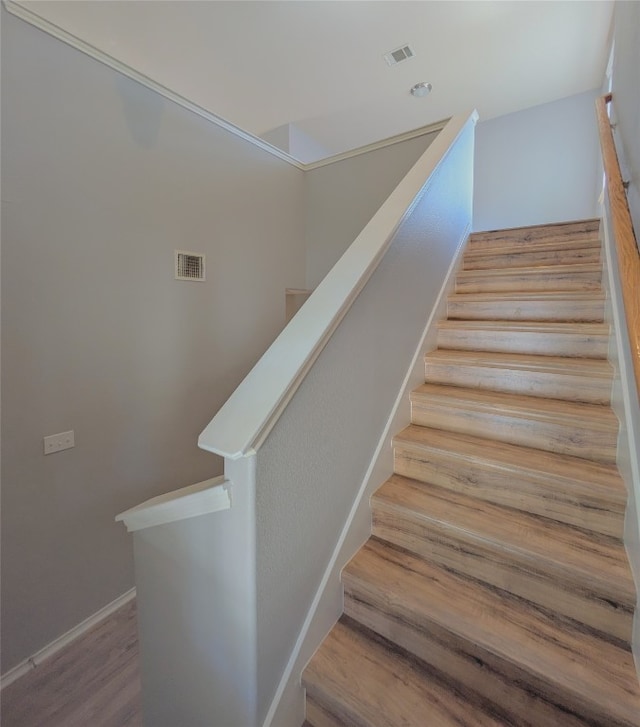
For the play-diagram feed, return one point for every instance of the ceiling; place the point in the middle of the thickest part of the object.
(319, 64)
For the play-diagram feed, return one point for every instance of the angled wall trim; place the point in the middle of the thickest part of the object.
(29, 16)
(199, 499)
(24, 13)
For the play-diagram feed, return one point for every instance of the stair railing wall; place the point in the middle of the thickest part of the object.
(622, 279)
(298, 437)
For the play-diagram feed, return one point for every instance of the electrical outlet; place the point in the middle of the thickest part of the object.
(58, 442)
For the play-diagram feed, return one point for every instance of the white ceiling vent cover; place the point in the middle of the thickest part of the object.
(189, 265)
(398, 55)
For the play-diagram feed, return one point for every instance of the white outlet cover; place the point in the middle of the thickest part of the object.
(58, 442)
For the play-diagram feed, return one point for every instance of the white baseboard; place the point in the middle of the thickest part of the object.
(33, 661)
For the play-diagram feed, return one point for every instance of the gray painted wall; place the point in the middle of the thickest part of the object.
(626, 102)
(101, 180)
(538, 165)
(342, 197)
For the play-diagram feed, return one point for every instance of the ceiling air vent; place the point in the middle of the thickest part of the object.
(189, 265)
(398, 55)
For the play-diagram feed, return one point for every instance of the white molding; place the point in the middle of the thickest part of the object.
(24, 13)
(202, 498)
(57, 644)
(395, 422)
(389, 141)
(247, 417)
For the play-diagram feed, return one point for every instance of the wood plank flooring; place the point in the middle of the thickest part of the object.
(93, 682)
(495, 588)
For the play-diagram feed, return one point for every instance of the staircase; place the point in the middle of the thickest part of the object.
(495, 589)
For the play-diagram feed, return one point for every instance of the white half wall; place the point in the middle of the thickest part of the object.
(538, 165)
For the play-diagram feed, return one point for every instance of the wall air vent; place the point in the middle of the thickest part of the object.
(189, 265)
(398, 55)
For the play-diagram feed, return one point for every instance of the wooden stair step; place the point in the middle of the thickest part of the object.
(565, 427)
(357, 679)
(587, 276)
(576, 379)
(579, 492)
(528, 254)
(545, 306)
(542, 338)
(554, 232)
(518, 656)
(583, 576)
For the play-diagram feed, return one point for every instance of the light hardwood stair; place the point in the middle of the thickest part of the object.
(530, 337)
(552, 377)
(538, 306)
(589, 495)
(495, 585)
(587, 276)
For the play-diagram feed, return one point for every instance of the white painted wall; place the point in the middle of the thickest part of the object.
(101, 180)
(538, 165)
(196, 593)
(342, 197)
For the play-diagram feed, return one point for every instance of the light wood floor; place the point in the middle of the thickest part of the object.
(93, 682)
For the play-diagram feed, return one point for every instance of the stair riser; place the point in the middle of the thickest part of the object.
(319, 717)
(566, 232)
(550, 585)
(490, 281)
(487, 261)
(528, 698)
(574, 438)
(543, 343)
(513, 309)
(513, 487)
(593, 390)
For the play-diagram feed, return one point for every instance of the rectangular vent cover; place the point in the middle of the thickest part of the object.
(189, 265)
(398, 55)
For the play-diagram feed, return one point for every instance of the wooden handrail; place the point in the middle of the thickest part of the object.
(628, 256)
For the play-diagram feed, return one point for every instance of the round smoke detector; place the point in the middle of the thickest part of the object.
(421, 89)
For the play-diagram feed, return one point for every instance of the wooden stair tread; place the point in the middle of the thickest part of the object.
(591, 367)
(586, 477)
(566, 663)
(586, 329)
(526, 255)
(576, 379)
(536, 306)
(554, 231)
(576, 276)
(565, 427)
(515, 247)
(361, 681)
(598, 416)
(553, 295)
(600, 563)
(533, 337)
(580, 492)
